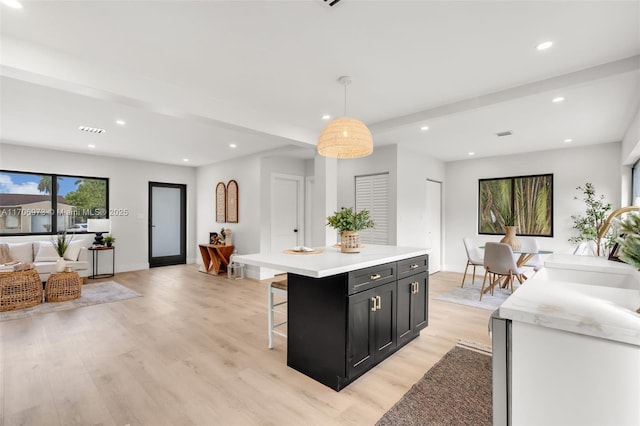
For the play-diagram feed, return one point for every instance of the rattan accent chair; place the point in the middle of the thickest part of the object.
(20, 289)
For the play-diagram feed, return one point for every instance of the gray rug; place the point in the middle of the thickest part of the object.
(92, 294)
(470, 295)
(455, 391)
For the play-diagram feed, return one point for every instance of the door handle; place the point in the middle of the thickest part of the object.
(373, 307)
(414, 266)
(374, 277)
(379, 306)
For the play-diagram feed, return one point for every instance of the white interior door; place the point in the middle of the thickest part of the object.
(287, 210)
(434, 224)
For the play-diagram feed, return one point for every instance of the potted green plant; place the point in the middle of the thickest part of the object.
(588, 225)
(109, 240)
(348, 223)
(629, 241)
(61, 244)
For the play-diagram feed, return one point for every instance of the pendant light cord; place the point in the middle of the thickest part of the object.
(345, 100)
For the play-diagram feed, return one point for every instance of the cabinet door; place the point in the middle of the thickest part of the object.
(405, 310)
(360, 343)
(385, 321)
(420, 303)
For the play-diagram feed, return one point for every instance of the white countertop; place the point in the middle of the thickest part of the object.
(598, 310)
(331, 261)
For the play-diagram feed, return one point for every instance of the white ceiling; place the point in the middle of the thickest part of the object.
(189, 78)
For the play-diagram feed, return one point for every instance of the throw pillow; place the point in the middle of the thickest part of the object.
(5, 255)
(73, 251)
(21, 251)
(46, 252)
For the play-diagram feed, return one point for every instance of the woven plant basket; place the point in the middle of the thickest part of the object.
(350, 242)
(19, 290)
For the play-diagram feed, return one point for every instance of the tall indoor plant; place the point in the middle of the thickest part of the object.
(348, 223)
(595, 216)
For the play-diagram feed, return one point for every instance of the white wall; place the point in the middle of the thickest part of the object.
(571, 167)
(128, 189)
(246, 233)
(252, 233)
(413, 171)
(383, 160)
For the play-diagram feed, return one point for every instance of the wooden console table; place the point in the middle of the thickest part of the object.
(215, 258)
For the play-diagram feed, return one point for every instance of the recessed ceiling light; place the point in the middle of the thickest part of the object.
(557, 99)
(13, 3)
(424, 128)
(186, 160)
(326, 117)
(91, 129)
(233, 145)
(472, 153)
(544, 45)
(568, 140)
(91, 146)
(121, 122)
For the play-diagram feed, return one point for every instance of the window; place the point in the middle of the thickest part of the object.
(372, 193)
(30, 201)
(528, 198)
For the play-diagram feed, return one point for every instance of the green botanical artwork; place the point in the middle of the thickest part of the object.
(523, 201)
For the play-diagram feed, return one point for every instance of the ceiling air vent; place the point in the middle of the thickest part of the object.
(505, 133)
(91, 129)
(331, 2)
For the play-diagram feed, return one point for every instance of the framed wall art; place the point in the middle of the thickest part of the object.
(221, 203)
(232, 201)
(526, 200)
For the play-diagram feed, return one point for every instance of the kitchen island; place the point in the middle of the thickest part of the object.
(349, 311)
(573, 345)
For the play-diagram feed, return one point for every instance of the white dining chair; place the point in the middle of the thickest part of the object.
(474, 258)
(530, 245)
(500, 264)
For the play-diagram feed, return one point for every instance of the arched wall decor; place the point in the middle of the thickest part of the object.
(221, 202)
(232, 201)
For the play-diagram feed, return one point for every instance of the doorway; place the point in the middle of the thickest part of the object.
(167, 224)
(434, 224)
(287, 212)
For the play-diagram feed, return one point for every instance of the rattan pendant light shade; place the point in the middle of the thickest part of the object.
(345, 137)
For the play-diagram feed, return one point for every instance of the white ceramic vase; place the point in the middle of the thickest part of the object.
(60, 264)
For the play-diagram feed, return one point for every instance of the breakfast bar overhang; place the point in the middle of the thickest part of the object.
(349, 311)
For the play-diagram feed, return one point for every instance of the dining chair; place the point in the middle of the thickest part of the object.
(474, 258)
(501, 265)
(530, 245)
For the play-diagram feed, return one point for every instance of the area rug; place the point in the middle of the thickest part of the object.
(92, 294)
(470, 295)
(455, 391)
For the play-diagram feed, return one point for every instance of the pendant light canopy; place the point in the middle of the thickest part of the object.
(345, 137)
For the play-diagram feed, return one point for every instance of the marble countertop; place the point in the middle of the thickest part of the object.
(330, 261)
(594, 310)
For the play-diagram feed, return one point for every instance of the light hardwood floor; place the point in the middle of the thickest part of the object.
(193, 351)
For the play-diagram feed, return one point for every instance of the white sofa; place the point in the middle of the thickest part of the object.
(44, 257)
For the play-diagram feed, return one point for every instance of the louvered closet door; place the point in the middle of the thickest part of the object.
(372, 193)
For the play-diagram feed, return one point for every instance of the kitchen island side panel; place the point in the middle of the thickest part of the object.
(317, 327)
